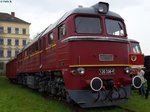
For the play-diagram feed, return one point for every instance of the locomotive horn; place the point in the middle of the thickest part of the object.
(96, 84)
(137, 82)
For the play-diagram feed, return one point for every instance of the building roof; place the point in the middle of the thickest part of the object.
(11, 18)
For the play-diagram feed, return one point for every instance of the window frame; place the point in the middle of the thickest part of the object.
(116, 19)
(1, 41)
(9, 53)
(24, 31)
(2, 65)
(1, 29)
(9, 30)
(85, 16)
(1, 53)
(62, 31)
(16, 42)
(16, 52)
(50, 38)
(16, 30)
(23, 42)
(10, 42)
(136, 48)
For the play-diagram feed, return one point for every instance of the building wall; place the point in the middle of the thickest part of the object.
(14, 37)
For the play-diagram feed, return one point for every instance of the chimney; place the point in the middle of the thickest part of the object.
(13, 14)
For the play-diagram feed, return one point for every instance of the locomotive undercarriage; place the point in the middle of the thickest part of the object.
(88, 98)
(51, 83)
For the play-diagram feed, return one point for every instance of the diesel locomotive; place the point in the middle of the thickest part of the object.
(85, 57)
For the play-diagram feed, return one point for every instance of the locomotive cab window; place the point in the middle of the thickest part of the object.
(50, 38)
(115, 27)
(88, 25)
(62, 31)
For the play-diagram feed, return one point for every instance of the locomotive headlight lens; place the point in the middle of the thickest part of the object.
(74, 72)
(100, 9)
(127, 70)
(103, 7)
(81, 71)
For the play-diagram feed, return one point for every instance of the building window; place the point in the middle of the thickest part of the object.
(23, 42)
(9, 53)
(1, 65)
(8, 41)
(16, 52)
(1, 41)
(16, 30)
(1, 53)
(9, 29)
(1, 29)
(16, 42)
(24, 31)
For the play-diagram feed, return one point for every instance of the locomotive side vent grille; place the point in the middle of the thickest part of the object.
(106, 57)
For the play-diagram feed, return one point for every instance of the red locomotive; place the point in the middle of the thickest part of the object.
(84, 57)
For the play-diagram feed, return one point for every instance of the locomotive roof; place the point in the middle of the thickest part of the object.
(80, 10)
(89, 10)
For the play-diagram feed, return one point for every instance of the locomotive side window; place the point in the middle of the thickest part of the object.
(115, 27)
(40, 44)
(50, 38)
(88, 25)
(136, 48)
(62, 31)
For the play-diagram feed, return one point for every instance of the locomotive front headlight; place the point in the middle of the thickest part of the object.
(101, 7)
(81, 71)
(74, 72)
(127, 70)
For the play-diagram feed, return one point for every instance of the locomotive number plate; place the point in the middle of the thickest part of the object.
(109, 71)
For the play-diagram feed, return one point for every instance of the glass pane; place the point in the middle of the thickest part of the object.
(87, 25)
(115, 27)
(136, 48)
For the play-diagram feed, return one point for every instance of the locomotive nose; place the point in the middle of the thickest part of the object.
(96, 84)
(137, 81)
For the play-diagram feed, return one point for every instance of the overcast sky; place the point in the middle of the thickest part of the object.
(41, 13)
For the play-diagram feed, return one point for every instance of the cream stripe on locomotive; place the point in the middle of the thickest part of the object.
(99, 65)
